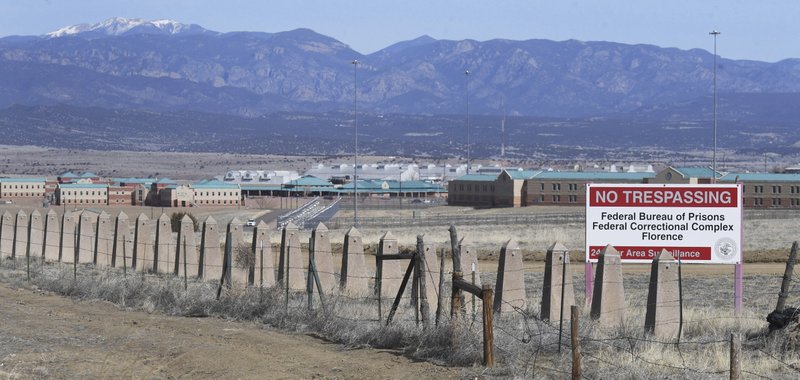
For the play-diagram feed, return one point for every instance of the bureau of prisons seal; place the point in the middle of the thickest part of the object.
(725, 249)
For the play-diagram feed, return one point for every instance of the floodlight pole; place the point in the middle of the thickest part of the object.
(714, 159)
(466, 89)
(355, 153)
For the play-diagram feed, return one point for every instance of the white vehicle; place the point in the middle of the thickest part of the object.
(251, 223)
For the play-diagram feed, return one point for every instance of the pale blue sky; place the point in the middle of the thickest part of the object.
(759, 30)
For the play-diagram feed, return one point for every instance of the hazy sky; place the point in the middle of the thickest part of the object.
(759, 30)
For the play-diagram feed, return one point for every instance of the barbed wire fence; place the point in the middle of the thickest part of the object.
(371, 309)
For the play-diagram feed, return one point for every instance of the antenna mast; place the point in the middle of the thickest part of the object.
(503, 133)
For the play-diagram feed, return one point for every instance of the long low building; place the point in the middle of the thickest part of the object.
(89, 189)
(82, 194)
(767, 190)
(11, 188)
(517, 188)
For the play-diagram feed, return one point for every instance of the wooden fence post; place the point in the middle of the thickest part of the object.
(379, 278)
(310, 278)
(787, 278)
(409, 270)
(439, 298)
(576, 343)
(319, 286)
(736, 364)
(455, 250)
(455, 300)
(457, 294)
(488, 325)
(286, 271)
(424, 308)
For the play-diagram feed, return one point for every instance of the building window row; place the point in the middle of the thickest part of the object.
(23, 187)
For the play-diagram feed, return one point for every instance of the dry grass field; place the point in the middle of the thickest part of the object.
(129, 332)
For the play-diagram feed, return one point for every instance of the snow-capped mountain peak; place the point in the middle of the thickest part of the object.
(119, 26)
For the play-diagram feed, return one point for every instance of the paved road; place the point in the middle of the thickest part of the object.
(269, 218)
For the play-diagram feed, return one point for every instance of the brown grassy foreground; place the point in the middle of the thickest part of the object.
(120, 327)
(525, 345)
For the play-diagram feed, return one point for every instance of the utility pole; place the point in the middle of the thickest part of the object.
(466, 88)
(355, 155)
(714, 162)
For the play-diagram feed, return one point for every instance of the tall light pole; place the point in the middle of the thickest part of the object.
(355, 153)
(466, 88)
(714, 162)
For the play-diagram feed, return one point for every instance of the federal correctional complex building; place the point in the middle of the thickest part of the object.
(487, 187)
(520, 188)
(235, 187)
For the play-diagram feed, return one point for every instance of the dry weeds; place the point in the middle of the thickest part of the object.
(526, 346)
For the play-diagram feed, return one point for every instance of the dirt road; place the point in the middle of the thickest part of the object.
(48, 336)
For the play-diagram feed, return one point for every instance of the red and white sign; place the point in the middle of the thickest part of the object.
(701, 223)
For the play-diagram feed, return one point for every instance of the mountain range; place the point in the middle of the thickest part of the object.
(167, 66)
(134, 84)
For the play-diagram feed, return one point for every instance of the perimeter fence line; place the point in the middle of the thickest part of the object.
(373, 297)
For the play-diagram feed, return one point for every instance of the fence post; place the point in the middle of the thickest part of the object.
(261, 275)
(286, 271)
(488, 325)
(424, 308)
(125, 257)
(28, 261)
(736, 364)
(455, 300)
(564, 261)
(787, 278)
(185, 267)
(439, 298)
(226, 269)
(310, 278)
(28, 247)
(74, 258)
(409, 270)
(576, 342)
(474, 300)
(457, 293)
(379, 277)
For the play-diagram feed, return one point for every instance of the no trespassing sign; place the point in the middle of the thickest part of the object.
(699, 223)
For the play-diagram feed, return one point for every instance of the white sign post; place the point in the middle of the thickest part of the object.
(696, 223)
